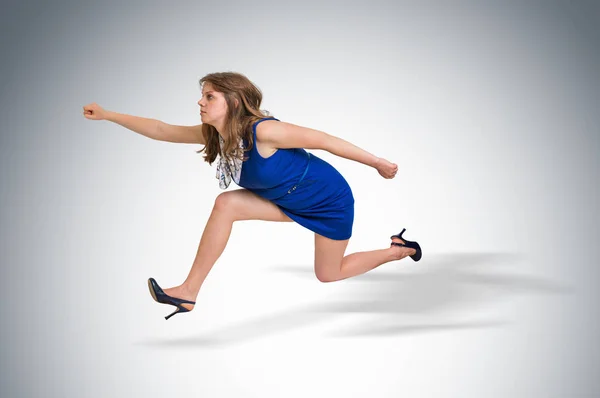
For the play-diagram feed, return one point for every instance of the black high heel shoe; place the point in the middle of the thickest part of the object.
(161, 297)
(409, 244)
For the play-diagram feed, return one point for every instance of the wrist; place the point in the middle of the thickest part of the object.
(110, 116)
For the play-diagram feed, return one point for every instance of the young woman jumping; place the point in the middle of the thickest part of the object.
(280, 181)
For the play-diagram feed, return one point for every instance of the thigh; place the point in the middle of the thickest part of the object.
(329, 254)
(242, 204)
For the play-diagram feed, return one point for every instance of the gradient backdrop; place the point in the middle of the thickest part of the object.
(490, 109)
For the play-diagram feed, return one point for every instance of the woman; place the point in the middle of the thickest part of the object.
(280, 180)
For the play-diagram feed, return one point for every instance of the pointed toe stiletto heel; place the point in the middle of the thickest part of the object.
(161, 297)
(409, 244)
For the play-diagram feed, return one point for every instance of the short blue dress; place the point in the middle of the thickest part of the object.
(305, 187)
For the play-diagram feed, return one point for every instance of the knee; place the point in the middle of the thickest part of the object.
(225, 203)
(325, 277)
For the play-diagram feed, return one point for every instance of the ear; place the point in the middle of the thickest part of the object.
(236, 102)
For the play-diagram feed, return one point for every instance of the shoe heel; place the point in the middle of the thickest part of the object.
(170, 315)
(178, 310)
(399, 236)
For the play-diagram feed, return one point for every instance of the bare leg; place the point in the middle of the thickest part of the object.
(229, 207)
(331, 265)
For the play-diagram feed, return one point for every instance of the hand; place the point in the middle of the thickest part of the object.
(94, 111)
(386, 169)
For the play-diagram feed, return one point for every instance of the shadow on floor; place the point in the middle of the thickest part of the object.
(446, 289)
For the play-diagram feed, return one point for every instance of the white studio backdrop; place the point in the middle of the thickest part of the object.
(490, 111)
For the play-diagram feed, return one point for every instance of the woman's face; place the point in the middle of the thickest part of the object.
(213, 107)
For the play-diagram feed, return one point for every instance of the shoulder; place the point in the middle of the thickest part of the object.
(263, 124)
(287, 135)
(265, 128)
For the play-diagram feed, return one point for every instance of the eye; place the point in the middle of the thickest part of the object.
(209, 95)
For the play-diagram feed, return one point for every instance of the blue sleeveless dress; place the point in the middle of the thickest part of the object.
(305, 187)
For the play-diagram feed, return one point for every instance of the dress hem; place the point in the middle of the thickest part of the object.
(298, 220)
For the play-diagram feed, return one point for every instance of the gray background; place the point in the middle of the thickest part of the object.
(491, 111)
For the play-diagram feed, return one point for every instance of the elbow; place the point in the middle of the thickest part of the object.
(162, 132)
(159, 131)
(325, 142)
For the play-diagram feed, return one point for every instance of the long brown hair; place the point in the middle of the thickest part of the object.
(239, 120)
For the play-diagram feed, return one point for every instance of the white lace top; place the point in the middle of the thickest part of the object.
(226, 170)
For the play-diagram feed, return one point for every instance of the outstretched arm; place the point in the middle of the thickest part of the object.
(287, 135)
(151, 128)
(158, 130)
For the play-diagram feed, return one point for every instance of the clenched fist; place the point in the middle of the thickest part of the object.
(386, 169)
(94, 111)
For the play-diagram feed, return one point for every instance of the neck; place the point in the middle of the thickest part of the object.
(220, 130)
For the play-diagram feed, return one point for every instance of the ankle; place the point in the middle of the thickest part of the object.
(395, 253)
(189, 290)
(399, 252)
